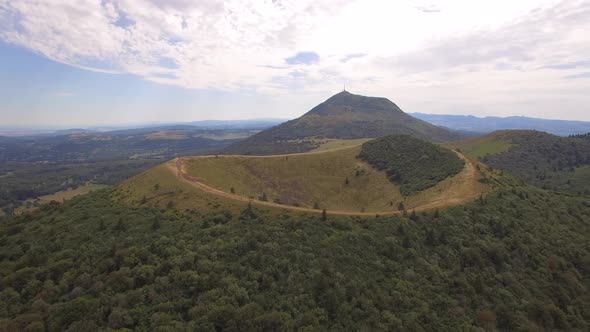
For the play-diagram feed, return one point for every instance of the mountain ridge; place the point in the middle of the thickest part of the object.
(488, 124)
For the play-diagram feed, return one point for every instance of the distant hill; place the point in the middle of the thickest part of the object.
(470, 123)
(343, 116)
(559, 163)
(249, 124)
(237, 124)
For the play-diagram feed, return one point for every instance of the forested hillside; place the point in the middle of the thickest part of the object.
(548, 161)
(518, 259)
(411, 162)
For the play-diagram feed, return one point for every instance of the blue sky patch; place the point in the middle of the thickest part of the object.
(303, 58)
(123, 21)
(167, 63)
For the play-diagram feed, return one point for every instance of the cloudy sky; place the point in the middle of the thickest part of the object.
(97, 62)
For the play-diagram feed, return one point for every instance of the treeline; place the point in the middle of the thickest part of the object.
(546, 160)
(516, 260)
(583, 136)
(412, 163)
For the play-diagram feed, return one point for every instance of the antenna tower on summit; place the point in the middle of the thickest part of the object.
(344, 89)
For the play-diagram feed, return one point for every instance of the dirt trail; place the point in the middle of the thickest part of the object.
(466, 177)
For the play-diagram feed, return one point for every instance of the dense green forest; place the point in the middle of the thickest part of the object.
(411, 162)
(518, 259)
(560, 163)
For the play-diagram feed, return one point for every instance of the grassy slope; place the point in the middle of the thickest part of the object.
(302, 179)
(159, 186)
(60, 196)
(308, 177)
(331, 144)
(481, 146)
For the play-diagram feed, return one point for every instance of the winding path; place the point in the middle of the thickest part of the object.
(465, 178)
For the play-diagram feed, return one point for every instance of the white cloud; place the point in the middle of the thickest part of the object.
(457, 53)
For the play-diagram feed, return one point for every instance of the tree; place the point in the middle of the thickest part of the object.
(436, 214)
(406, 243)
(324, 215)
(431, 239)
(248, 212)
(156, 187)
(316, 206)
(413, 216)
(156, 224)
(346, 182)
(401, 230)
(401, 206)
(264, 198)
(232, 190)
(120, 226)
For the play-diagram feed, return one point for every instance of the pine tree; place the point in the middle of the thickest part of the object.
(413, 216)
(248, 213)
(316, 206)
(120, 226)
(436, 214)
(324, 215)
(431, 239)
(407, 243)
(232, 190)
(346, 182)
(156, 224)
(401, 230)
(401, 206)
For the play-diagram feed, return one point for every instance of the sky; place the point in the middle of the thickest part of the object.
(87, 63)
